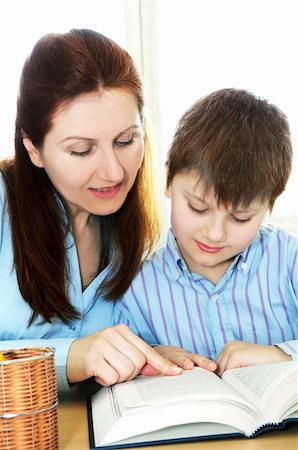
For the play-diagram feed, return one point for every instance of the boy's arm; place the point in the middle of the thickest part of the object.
(123, 314)
(177, 355)
(290, 348)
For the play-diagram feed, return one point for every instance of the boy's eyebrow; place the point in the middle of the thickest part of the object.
(197, 197)
(247, 210)
(235, 211)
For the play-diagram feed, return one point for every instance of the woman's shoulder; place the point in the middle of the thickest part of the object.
(4, 220)
(2, 189)
(6, 178)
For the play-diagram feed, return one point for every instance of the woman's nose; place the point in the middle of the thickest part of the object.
(108, 166)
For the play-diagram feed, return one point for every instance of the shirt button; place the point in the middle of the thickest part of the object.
(214, 297)
(243, 266)
(72, 327)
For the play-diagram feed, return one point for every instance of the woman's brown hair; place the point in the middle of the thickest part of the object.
(238, 144)
(60, 68)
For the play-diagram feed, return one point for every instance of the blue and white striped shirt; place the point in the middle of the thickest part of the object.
(254, 301)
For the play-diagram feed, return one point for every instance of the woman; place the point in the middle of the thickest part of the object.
(77, 214)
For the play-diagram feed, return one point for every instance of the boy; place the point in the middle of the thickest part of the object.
(224, 286)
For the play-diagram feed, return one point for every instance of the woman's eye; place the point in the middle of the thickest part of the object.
(198, 211)
(81, 153)
(124, 143)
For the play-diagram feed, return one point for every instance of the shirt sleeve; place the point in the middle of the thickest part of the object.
(139, 326)
(123, 315)
(291, 348)
(2, 204)
(61, 348)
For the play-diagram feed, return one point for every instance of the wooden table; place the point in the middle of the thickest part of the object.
(73, 432)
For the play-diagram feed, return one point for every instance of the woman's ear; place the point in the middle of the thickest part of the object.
(33, 152)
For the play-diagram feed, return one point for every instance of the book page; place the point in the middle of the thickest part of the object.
(264, 383)
(147, 404)
(191, 384)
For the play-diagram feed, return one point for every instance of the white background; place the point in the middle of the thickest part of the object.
(184, 48)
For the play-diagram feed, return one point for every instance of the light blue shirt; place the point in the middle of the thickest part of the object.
(15, 312)
(254, 301)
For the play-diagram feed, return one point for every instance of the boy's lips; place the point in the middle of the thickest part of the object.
(207, 248)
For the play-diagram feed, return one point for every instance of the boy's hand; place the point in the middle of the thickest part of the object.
(181, 358)
(240, 354)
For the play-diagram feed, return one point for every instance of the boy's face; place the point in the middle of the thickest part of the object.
(208, 235)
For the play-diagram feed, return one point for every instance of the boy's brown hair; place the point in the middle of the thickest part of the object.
(239, 145)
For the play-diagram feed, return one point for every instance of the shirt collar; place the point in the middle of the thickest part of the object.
(173, 256)
(245, 259)
(242, 262)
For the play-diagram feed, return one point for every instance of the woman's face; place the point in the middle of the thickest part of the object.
(93, 151)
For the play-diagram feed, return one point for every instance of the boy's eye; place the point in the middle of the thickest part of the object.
(198, 211)
(240, 220)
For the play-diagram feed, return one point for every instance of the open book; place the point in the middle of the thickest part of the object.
(195, 405)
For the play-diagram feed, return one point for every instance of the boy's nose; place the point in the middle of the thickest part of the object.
(215, 230)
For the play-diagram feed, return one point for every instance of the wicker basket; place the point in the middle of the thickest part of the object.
(28, 400)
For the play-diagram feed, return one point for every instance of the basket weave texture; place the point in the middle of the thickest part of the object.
(28, 400)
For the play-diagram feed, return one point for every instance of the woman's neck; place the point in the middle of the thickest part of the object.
(87, 238)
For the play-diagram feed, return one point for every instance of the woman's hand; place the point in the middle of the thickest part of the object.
(182, 358)
(113, 355)
(240, 354)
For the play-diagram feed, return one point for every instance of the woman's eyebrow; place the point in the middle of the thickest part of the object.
(132, 127)
(76, 138)
(85, 138)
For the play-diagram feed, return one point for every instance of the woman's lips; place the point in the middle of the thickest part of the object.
(106, 192)
(207, 249)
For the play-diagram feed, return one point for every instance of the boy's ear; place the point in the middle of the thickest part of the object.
(168, 187)
(33, 152)
(168, 191)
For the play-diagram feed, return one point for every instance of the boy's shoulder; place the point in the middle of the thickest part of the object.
(156, 257)
(275, 231)
(276, 240)
(167, 255)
